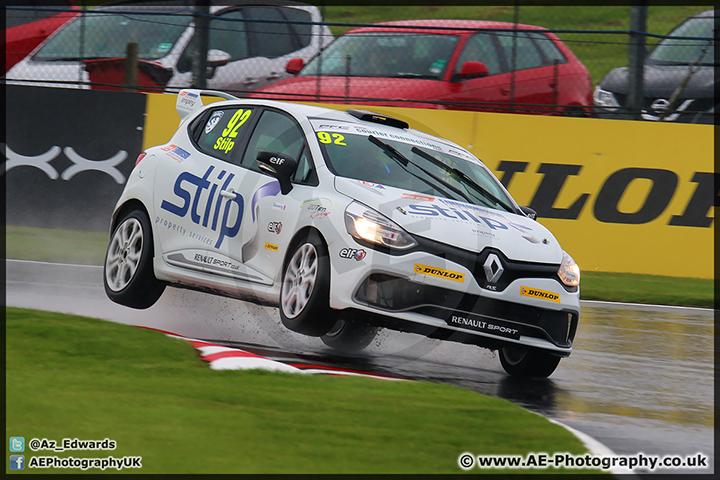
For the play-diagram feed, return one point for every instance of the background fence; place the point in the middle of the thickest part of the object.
(527, 71)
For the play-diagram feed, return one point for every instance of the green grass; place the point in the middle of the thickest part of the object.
(599, 52)
(634, 288)
(55, 245)
(74, 377)
(88, 248)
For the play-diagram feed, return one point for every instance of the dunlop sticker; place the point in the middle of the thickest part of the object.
(439, 272)
(271, 247)
(541, 294)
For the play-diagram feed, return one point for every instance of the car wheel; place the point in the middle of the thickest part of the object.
(575, 112)
(305, 290)
(350, 336)
(128, 273)
(520, 362)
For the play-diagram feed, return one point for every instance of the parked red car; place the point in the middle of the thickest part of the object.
(447, 64)
(27, 26)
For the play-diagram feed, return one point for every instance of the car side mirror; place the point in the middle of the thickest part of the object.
(217, 58)
(470, 70)
(279, 166)
(529, 212)
(294, 66)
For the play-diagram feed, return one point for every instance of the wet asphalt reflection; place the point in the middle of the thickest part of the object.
(640, 379)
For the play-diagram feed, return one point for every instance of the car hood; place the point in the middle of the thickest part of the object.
(350, 88)
(466, 226)
(660, 81)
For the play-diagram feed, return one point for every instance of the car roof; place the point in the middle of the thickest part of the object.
(706, 13)
(453, 26)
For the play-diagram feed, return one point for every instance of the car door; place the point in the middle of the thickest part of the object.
(196, 204)
(532, 88)
(268, 218)
(487, 93)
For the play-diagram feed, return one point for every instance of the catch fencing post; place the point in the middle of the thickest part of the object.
(131, 67)
(636, 58)
(201, 40)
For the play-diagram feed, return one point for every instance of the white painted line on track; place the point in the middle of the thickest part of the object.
(596, 448)
(37, 262)
(641, 305)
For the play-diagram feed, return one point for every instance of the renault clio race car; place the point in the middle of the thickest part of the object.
(348, 221)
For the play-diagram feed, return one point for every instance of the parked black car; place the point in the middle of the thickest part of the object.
(678, 80)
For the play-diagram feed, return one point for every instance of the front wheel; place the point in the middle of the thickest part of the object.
(350, 336)
(128, 272)
(520, 362)
(305, 290)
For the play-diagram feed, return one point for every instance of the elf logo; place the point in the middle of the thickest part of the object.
(214, 210)
(541, 294)
(352, 254)
(439, 272)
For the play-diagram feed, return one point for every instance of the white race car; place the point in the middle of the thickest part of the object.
(348, 222)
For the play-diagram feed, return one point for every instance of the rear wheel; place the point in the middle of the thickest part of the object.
(305, 291)
(520, 362)
(350, 336)
(128, 272)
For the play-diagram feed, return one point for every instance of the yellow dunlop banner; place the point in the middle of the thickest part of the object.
(620, 196)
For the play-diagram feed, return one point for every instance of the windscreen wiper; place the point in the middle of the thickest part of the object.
(391, 152)
(462, 175)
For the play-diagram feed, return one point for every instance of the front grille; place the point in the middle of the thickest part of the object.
(396, 294)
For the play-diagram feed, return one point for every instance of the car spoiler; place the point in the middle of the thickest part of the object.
(189, 101)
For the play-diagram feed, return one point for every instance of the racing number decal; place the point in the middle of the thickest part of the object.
(225, 142)
(324, 137)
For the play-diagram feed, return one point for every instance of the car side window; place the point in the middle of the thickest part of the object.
(270, 39)
(302, 30)
(275, 132)
(221, 134)
(527, 53)
(226, 32)
(548, 48)
(305, 173)
(480, 48)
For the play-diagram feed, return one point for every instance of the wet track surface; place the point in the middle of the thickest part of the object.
(639, 379)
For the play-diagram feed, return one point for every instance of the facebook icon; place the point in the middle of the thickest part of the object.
(17, 462)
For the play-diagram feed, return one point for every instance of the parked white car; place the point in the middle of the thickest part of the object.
(249, 45)
(348, 221)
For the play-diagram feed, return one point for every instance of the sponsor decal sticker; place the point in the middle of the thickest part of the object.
(370, 184)
(214, 119)
(440, 273)
(494, 327)
(178, 154)
(541, 294)
(271, 246)
(275, 227)
(352, 254)
(414, 196)
(279, 206)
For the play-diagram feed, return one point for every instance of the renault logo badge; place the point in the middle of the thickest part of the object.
(493, 268)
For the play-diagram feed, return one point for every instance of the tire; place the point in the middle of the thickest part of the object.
(128, 272)
(575, 112)
(523, 363)
(350, 336)
(305, 289)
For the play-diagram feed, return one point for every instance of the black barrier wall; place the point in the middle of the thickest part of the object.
(68, 154)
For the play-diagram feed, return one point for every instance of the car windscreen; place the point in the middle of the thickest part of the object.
(385, 54)
(677, 51)
(355, 155)
(106, 35)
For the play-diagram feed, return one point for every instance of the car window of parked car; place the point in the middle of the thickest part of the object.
(271, 39)
(222, 132)
(106, 35)
(275, 132)
(683, 51)
(527, 53)
(550, 51)
(302, 30)
(480, 48)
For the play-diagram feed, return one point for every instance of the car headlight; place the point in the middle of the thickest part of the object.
(604, 98)
(569, 272)
(366, 224)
